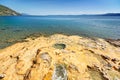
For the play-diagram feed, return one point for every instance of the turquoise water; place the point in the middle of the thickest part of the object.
(13, 28)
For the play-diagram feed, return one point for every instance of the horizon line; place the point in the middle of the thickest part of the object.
(66, 14)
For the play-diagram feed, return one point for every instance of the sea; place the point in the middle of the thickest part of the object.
(16, 28)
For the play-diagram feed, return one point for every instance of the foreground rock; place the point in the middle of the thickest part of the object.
(60, 73)
(78, 59)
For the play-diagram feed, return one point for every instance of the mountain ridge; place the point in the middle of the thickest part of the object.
(74, 15)
(5, 11)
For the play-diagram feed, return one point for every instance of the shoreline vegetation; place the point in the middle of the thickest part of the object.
(61, 56)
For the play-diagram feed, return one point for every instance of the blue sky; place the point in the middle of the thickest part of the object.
(63, 7)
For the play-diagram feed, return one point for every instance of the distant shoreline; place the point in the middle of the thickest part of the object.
(75, 15)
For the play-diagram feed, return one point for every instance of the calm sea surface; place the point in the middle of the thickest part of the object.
(18, 27)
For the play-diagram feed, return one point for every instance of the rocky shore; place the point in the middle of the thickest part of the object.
(114, 42)
(60, 57)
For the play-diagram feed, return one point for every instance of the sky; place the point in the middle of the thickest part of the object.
(63, 7)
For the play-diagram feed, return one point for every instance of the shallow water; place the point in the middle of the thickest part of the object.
(14, 28)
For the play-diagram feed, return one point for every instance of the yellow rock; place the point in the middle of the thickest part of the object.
(83, 59)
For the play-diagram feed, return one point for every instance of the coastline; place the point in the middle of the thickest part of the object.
(59, 40)
(75, 55)
(114, 42)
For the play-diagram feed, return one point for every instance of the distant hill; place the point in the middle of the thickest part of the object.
(111, 14)
(66, 16)
(5, 11)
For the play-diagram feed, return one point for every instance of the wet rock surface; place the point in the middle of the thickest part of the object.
(60, 73)
(59, 46)
(114, 42)
(78, 58)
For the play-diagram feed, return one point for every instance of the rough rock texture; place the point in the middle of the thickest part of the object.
(82, 59)
(60, 72)
(114, 42)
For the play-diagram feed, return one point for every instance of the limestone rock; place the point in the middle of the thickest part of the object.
(46, 56)
(76, 58)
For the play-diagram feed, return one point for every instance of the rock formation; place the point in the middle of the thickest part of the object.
(80, 59)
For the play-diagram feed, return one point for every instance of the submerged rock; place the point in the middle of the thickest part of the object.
(59, 46)
(60, 73)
